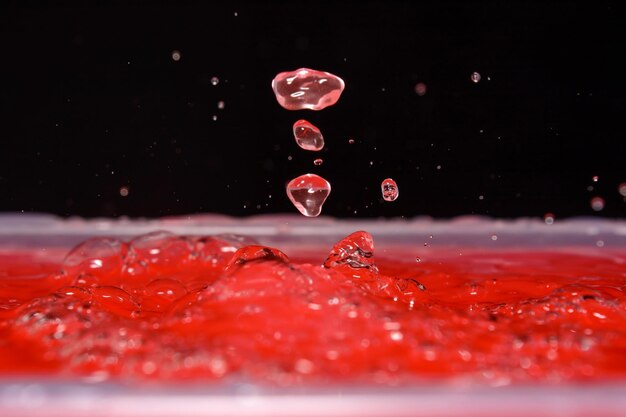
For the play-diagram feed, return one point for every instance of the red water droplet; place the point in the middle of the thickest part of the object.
(597, 203)
(475, 77)
(389, 189)
(308, 193)
(318, 161)
(308, 136)
(307, 89)
(420, 89)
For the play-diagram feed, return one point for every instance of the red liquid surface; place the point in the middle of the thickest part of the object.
(163, 307)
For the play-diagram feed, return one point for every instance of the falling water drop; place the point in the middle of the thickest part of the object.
(389, 189)
(308, 193)
(308, 136)
(318, 161)
(307, 89)
(597, 203)
(475, 77)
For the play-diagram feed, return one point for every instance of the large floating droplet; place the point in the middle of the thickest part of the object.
(308, 193)
(308, 136)
(389, 189)
(307, 89)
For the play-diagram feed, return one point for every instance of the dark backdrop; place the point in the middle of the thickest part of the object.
(92, 101)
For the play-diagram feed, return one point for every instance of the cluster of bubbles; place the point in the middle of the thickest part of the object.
(310, 89)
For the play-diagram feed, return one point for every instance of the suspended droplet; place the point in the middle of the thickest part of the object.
(215, 80)
(220, 105)
(351, 141)
(308, 136)
(475, 77)
(124, 191)
(389, 189)
(595, 178)
(548, 218)
(420, 89)
(176, 55)
(308, 193)
(307, 89)
(622, 189)
(318, 161)
(597, 203)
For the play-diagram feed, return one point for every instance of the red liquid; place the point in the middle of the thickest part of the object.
(165, 307)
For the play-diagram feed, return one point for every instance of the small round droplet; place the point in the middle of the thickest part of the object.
(176, 55)
(595, 178)
(597, 203)
(420, 89)
(622, 189)
(220, 105)
(548, 218)
(351, 141)
(308, 193)
(389, 189)
(308, 136)
(215, 80)
(475, 77)
(124, 191)
(214, 117)
(318, 161)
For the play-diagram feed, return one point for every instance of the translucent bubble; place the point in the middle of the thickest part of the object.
(420, 89)
(95, 256)
(176, 55)
(256, 253)
(548, 218)
(318, 161)
(389, 189)
(160, 293)
(308, 193)
(475, 77)
(307, 89)
(597, 203)
(215, 80)
(221, 105)
(115, 300)
(124, 191)
(162, 248)
(308, 136)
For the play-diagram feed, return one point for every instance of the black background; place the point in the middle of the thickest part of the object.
(93, 101)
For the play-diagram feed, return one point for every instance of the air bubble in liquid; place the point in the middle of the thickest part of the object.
(96, 256)
(308, 136)
(307, 89)
(308, 193)
(389, 189)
